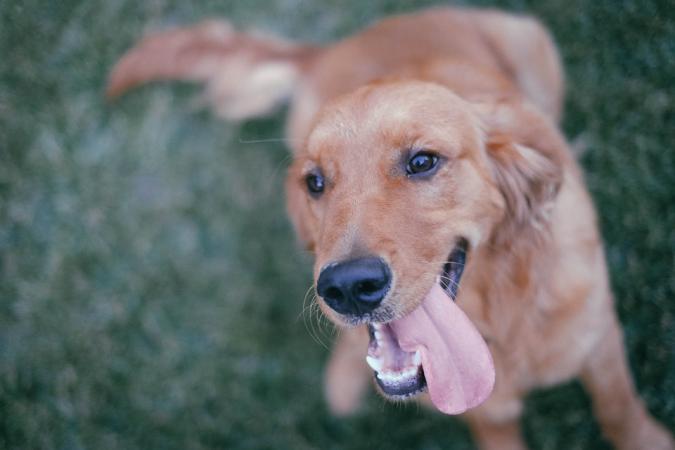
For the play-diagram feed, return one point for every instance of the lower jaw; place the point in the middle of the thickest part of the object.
(404, 389)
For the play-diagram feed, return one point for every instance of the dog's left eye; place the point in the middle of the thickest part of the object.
(421, 162)
(315, 183)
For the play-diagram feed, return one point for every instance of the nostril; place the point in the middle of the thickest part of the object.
(368, 287)
(370, 291)
(333, 293)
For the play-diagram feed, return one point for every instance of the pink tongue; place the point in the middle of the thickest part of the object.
(456, 361)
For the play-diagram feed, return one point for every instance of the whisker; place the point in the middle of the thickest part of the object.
(319, 315)
(325, 326)
(266, 141)
(304, 301)
(271, 181)
(450, 281)
(444, 261)
(308, 317)
(314, 326)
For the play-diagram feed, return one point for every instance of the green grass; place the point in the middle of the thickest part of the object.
(150, 287)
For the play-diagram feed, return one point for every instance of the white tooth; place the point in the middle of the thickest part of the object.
(387, 376)
(377, 326)
(394, 377)
(417, 358)
(374, 363)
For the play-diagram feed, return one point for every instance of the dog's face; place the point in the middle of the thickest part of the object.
(397, 184)
(398, 176)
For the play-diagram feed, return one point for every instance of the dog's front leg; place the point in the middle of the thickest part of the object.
(347, 374)
(622, 415)
(495, 425)
(490, 435)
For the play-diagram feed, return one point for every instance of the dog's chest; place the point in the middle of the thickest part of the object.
(531, 345)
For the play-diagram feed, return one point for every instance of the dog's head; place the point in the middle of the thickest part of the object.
(398, 183)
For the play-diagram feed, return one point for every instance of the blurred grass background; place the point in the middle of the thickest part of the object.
(150, 287)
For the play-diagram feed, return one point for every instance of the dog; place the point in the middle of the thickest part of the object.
(454, 239)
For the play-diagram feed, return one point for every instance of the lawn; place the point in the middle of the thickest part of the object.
(151, 291)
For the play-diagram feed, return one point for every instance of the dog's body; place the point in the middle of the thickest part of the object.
(483, 90)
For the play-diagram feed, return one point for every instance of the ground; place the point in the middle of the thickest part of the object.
(151, 291)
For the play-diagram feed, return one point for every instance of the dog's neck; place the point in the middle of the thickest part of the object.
(502, 270)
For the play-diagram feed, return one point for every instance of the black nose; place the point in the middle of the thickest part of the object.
(354, 287)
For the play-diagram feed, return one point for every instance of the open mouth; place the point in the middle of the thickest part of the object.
(435, 347)
(398, 373)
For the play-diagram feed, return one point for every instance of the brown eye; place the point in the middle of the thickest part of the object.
(420, 163)
(315, 183)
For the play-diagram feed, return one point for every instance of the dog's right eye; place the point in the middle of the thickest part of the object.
(315, 183)
(421, 163)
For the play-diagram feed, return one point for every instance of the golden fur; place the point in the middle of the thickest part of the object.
(482, 89)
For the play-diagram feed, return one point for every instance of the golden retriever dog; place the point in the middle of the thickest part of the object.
(454, 239)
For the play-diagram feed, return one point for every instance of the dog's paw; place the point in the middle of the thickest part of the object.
(658, 439)
(652, 436)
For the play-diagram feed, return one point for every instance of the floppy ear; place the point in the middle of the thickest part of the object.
(526, 156)
(528, 180)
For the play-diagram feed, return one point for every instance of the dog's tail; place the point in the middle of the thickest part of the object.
(245, 74)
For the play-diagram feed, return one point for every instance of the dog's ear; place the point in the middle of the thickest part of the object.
(526, 156)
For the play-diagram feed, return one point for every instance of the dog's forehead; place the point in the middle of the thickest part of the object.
(390, 116)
